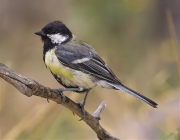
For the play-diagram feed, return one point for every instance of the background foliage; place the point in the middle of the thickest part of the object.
(135, 38)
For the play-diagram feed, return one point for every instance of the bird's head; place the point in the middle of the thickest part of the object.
(56, 32)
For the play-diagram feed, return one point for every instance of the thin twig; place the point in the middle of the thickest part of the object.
(30, 87)
(99, 110)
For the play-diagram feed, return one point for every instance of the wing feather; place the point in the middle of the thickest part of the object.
(94, 66)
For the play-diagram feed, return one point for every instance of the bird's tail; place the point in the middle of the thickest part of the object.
(134, 93)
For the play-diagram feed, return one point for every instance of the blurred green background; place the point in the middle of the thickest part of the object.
(138, 39)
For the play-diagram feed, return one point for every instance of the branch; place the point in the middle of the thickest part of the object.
(99, 110)
(30, 87)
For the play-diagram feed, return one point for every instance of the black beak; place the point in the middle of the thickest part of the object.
(40, 33)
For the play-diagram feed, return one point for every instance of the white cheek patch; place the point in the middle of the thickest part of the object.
(57, 38)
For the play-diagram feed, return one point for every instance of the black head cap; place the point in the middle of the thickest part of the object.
(55, 27)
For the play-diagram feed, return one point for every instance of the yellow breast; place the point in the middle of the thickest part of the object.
(55, 66)
(69, 77)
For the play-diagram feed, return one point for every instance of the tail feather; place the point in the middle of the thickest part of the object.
(134, 93)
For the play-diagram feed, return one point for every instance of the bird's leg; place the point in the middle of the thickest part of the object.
(60, 90)
(68, 89)
(81, 104)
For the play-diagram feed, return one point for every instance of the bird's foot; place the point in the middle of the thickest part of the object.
(62, 95)
(81, 104)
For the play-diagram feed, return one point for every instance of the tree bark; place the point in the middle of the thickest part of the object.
(29, 87)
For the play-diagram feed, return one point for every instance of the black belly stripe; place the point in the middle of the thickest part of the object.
(67, 86)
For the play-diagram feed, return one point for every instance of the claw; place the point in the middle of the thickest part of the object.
(81, 104)
(63, 97)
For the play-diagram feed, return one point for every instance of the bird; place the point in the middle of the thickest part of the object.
(77, 66)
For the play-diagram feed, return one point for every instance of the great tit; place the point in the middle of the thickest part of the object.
(76, 65)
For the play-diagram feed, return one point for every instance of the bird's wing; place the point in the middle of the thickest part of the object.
(87, 60)
(82, 57)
